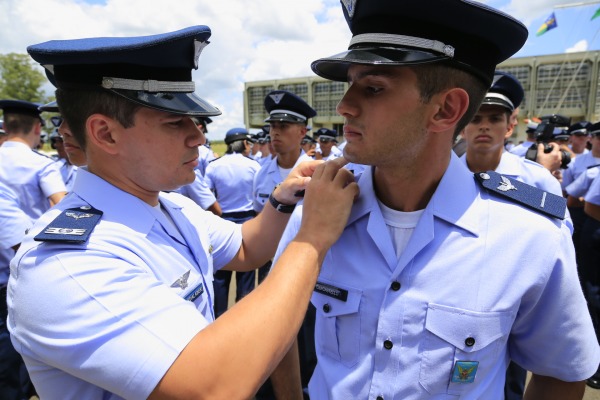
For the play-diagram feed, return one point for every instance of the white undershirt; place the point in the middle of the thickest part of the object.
(400, 225)
(284, 172)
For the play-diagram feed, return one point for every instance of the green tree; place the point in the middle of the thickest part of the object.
(19, 79)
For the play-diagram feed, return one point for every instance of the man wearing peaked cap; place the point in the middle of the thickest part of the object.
(136, 259)
(327, 149)
(485, 136)
(33, 176)
(288, 119)
(387, 326)
(579, 138)
(521, 149)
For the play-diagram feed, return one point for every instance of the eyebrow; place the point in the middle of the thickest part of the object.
(375, 71)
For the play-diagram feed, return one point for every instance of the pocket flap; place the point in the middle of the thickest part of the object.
(330, 305)
(467, 330)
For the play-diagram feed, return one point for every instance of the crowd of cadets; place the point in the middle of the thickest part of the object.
(237, 184)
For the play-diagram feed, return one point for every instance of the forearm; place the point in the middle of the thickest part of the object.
(260, 239)
(243, 346)
(547, 388)
(592, 210)
(286, 379)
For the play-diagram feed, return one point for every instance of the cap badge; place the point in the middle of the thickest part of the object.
(277, 97)
(350, 5)
(181, 282)
(198, 47)
(506, 185)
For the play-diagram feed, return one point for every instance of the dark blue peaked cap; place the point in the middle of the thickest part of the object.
(235, 134)
(464, 34)
(325, 132)
(20, 107)
(506, 91)
(284, 106)
(580, 128)
(154, 71)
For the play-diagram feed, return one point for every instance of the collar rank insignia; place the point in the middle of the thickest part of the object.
(182, 281)
(524, 194)
(277, 97)
(73, 225)
(464, 371)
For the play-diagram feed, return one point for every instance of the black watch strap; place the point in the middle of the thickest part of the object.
(282, 208)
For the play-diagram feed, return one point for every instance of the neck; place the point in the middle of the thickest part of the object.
(411, 187)
(478, 162)
(288, 160)
(21, 139)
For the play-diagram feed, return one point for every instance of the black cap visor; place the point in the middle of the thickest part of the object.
(335, 68)
(171, 102)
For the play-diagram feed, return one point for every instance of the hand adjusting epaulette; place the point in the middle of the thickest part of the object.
(73, 225)
(522, 193)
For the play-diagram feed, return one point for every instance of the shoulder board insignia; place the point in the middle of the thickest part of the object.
(593, 166)
(522, 193)
(73, 225)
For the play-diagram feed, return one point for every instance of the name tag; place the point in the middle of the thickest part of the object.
(263, 195)
(197, 292)
(331, 291)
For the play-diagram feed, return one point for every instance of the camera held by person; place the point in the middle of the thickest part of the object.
(546, 132)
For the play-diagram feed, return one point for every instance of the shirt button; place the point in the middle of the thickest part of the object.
(396, 286)
(470, 341)
(326, 308)
(388, 344)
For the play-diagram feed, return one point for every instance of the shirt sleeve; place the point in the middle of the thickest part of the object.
(593, 194)
(51, 180)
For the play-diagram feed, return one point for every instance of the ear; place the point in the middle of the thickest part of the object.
(450, 106)
(103, 132)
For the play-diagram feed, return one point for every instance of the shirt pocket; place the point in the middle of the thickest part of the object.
(337, 326)
(454, 334)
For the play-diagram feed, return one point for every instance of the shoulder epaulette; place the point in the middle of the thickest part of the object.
(593, 166)
(73, 225)
(522, 193)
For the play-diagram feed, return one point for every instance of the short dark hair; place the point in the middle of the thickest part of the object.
(76, 105)
(19, 123)
(435, 78)
(236, 147)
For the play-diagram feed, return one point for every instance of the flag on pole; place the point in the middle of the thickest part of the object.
(596, 14)
(550, 23)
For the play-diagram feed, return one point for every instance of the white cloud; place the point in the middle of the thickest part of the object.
(262, 39)
(582, 45)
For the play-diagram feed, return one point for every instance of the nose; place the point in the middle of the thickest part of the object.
(197, 138)
(347, 106)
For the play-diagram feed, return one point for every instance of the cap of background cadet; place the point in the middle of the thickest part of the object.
(460, 33)
(21, 107)
(594, 129)
(307, 139)
(154, 71)
(561, 134)
(284, 106)
(235, 134)
(506, 91)
(328, 134)
(2, 128)
(580, 128)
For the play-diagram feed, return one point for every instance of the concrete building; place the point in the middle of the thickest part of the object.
(565, 84)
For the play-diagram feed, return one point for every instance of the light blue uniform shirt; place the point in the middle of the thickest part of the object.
(107, 318)
(593, 194)
(580, 186)
(577, 167)
(13, 225)
(198, 191)
(32, 176)
(482, 279)
(205, 155)
(231, 177)
(267, 178)
(521, 149)
(68, 172)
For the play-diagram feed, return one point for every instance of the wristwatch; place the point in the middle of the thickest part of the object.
(282, 208)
